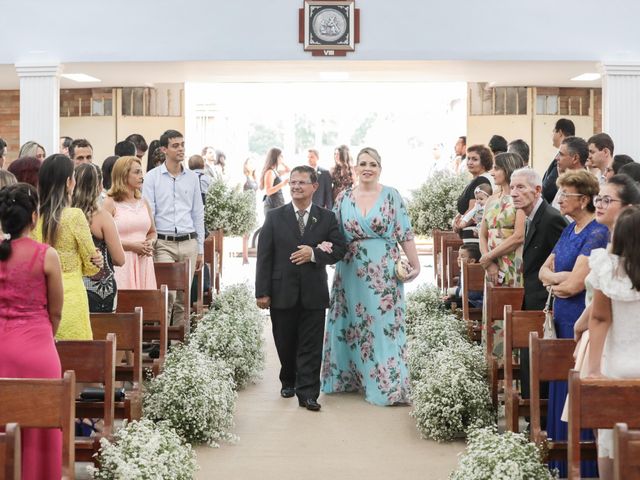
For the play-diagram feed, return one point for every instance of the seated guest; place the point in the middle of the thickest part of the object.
(101, 287)
(564, 273)
(26, 170)
(613, 327)
(125, 148)
(473, 218)
(471, 253)
(31, 295)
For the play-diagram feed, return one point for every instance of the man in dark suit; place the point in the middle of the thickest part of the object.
(323, 197)
(291, 280)
(564, 128)
(543, 227)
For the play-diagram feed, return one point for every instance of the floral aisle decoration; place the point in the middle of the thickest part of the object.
(452, 396)
(232, 332)
(145, 450)
(433, 205)
(425, 301)
(229, 209)
(195, 395)
(507, 456)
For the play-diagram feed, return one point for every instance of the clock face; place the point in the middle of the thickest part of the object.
(329, 25)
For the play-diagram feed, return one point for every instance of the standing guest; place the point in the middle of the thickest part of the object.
(31, 296)
(563, 128)
(155, 157)
(250, 185)
(221, 162)
(101, 287)
(66, 229)
(460, 159)
(497, 144)
(26, 170)
(140, 144)
(502, 228)
(342, 174)
(124, 148)
(600, 154)
(572, 155)
(291, 280)
(323, 196)
(271, 181)
(173, 193)
(209, 155)
(196, 165)
(107, 169)
(618, 162)
(81, 151)
(134, 222)
(7, 178)
(564, 273)
(365, 340)
(520, 147)
(479, 162)
(32, 149)
(65, 143)
(613, 329)
(3, 152)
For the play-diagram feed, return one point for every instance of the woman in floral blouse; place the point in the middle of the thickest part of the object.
(342, 175)
(365, 342)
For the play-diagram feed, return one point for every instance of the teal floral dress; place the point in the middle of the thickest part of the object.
(365, 342)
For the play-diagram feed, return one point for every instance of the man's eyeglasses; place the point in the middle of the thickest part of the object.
(563, 195)
(296, 183)
(604, 200)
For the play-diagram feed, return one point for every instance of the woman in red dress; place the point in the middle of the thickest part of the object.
(31, 298)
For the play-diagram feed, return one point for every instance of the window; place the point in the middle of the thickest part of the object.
(563, 101)
(165, 101)
(486, 100)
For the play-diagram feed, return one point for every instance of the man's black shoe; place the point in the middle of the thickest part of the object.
(155, 351)
(310, 404)
(287, 392)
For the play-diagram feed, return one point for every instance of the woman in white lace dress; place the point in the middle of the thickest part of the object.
(613, 326)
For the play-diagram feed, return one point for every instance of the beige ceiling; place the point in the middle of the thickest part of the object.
(497, 73)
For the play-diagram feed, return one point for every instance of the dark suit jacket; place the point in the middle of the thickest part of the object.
(543, 234)
(284, 281)
(323, 196)
(549, 187)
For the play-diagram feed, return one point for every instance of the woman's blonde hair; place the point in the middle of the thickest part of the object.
(119, 175)
(373, 153)
(87, 192)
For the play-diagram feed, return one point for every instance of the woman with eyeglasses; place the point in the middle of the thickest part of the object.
(564, 273)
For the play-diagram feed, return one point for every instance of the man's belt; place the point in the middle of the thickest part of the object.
(177, 238)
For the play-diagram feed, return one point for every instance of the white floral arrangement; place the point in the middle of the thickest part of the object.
(145, 450)
(494, 456)
(229, 209)
(452, 394)
(232, 332)
(434, 204)
(424, 302)
(195, 395)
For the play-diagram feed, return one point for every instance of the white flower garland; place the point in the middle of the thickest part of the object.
(229, 209)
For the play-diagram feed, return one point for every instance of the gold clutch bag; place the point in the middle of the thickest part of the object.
(402, 269)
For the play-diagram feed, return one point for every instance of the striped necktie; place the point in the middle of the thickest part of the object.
(301, 214)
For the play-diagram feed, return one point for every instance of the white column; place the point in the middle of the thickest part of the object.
(40, 104)
(621, 106)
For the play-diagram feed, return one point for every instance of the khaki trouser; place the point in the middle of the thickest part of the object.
(168, 251)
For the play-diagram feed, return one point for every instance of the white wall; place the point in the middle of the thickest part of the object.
(160, 30)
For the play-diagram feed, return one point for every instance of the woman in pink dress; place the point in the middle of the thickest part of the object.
(134, 221)
(31, 296)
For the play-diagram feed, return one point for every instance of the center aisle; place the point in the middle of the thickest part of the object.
(347, 439)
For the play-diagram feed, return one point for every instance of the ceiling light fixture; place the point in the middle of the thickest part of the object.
(586, 77)
(80, 77)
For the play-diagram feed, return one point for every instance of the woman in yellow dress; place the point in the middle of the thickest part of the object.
(66, 229)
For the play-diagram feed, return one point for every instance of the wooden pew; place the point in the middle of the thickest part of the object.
(626, 453)
(128, 330)
(550, 360)
(154, 304)
(10, 449)
(453, 269)
(471, 279)
(495, 299)
(93, 361)
(177, 277)
(598, 403)
(448, 239)
(43, 403)
(517, 326)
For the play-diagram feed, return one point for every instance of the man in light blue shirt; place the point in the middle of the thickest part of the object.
(173, 192)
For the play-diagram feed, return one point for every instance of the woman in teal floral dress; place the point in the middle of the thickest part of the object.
(365, 341)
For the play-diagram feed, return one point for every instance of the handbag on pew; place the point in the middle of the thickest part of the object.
(96, 394)
(549, 328)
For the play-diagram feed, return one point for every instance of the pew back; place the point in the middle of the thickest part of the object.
(10, 463)
(626, 448)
